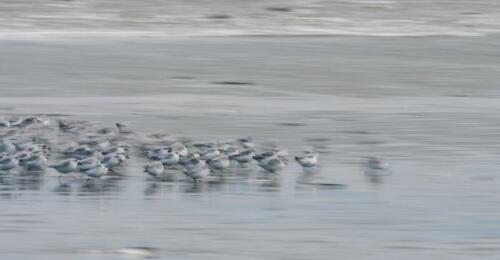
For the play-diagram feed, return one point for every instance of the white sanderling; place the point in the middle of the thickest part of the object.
(8, 163)
(22, 123)
(98, 171)
(185, 159)
(157, 153)
(219, 163)
(87, 163)
(246, 142)
(307, 159)
(123, 128)
(7, 146)
(180, 149)
(196, 169)
(113, 160)
(170, 159)
(36, 162)
(202, 146)
(66, 166)
(230, 151)
(4, 123)
(274, 165)
(81, 152)
(97, 145)
(117, 149)
(263, 158)
(105, 131)
(155, 169)
(243, 157)
(74, 127)
(66, 126)
(194, 164)
(281, 152)
(31, 147)
(209, 153)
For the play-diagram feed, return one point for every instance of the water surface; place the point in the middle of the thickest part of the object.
(428, 106)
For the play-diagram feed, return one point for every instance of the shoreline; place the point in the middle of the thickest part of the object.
(117, 35)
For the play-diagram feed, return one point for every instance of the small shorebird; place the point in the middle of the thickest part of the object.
(263, 158)
(196, 169)
(4, 123)
(8, 163)
(185, 159)
(7, 146)
(180, 149)
(219, 163)
(170, 159)
(97, 171)
(66, 166)
(157, 153)
(35, 162)
(194, 164)
(87, 163)
(209, 153)
(308, 159)
(81, 152)
(155, 169)
(97, 145)
(113, 160)
(123, 128)
(274, 165)
(117, 149)
(246, 142)
(230, 151)
(243, 157)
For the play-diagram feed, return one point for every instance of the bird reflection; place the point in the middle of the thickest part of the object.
(195, 187)
(375, 169)
(269, 182)
(152, 189)
(111, 185)
(375, 179)
(28, 183)
(209, 185)
(306, 178)
(63, 189)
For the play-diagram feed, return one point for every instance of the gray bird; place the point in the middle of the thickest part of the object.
(87, 163)
(219, 163)
(185, 159)
(66, 166)
(245, 156)
(155, 169)
(4, 123)
(307, 159)
(7, 146)
(98, 171)
(8, 163)
(274, 165)
(113, 160)
(209, 153)
(123, 128)
(36, 162)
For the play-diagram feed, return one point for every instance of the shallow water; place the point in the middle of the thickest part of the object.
(427, 106)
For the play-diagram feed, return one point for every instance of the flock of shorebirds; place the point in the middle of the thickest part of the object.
(35, 144)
